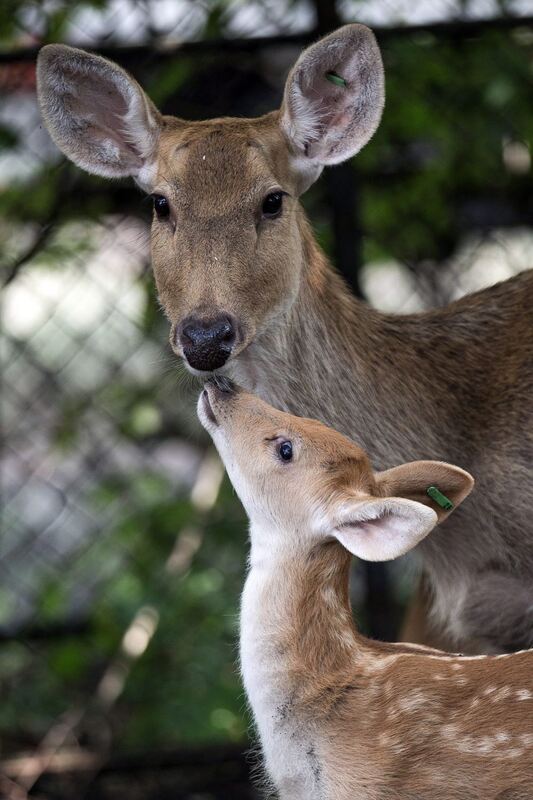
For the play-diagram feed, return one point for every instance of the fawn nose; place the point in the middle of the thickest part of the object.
(207, 343)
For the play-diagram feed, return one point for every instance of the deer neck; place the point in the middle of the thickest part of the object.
(299, 650)
(334, 358)
(296, 622)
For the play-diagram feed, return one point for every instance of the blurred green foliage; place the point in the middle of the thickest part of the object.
(450, 109)
(185, 687)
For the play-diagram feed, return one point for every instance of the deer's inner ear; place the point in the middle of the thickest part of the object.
(97, 114)
(414, 481)
(381, 530)
(333, 98)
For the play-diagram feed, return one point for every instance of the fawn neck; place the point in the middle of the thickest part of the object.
(296, 623)
(298, 650)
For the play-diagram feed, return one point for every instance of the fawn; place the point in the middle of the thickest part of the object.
(340, 716)
(248, 291)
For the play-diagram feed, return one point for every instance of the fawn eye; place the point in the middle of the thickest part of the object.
(285, 450)
(272, 204)
(161, 206)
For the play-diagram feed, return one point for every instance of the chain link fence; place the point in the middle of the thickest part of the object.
(123, 548)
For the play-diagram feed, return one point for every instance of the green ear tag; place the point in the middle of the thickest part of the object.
(440, 499)
(336, 79)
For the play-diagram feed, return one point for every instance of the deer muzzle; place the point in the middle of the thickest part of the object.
(207, 343)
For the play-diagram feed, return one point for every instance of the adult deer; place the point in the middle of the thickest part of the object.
(248, 292)
(340, 716)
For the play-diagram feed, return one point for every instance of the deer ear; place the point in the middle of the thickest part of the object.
(334, 97)
(413, 480)
(383, 529)
(97, 114)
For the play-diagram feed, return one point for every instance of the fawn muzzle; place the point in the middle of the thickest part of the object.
(218, 390)
(207, 343)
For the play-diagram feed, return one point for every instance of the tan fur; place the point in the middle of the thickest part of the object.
(400, 725)
(372, 721)
(456, 382)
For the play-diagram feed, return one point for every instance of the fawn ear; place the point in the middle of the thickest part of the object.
(385, 527)
(97, 114)
(382, 529)
(413, 480)
(333, 98)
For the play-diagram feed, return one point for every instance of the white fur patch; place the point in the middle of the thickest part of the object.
(381, 530)
(413, 702)
(146, 175)
(286, 743)
(302, 123)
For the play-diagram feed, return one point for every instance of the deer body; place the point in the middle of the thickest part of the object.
(249, 294)
(340, 716)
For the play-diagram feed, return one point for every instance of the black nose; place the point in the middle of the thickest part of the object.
(207, 343)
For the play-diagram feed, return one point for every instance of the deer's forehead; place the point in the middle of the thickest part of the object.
(216, 167)
(333, 444)
(334, 451)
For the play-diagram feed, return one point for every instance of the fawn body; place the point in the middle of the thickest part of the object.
(248, 292)
(340, 716)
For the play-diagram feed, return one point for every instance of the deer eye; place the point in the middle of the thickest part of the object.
(272, 204)
(161, 206)
(285, 450)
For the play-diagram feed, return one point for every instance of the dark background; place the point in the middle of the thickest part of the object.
(123, 547)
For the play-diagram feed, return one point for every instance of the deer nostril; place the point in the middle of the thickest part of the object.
(183, 335)
(227, 334)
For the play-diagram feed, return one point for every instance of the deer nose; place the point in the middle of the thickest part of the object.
(207, 343)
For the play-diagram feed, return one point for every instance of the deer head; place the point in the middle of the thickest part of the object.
(296, 474)
(228, 233)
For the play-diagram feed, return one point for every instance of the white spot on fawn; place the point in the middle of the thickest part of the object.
(413, 702)
(501, 694)
(502, 736)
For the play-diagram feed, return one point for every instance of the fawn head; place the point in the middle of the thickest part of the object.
(227, 247)
(296, 474)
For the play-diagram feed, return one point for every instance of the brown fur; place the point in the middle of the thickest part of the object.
(369, 720)
(456, 742)
(455, 383)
